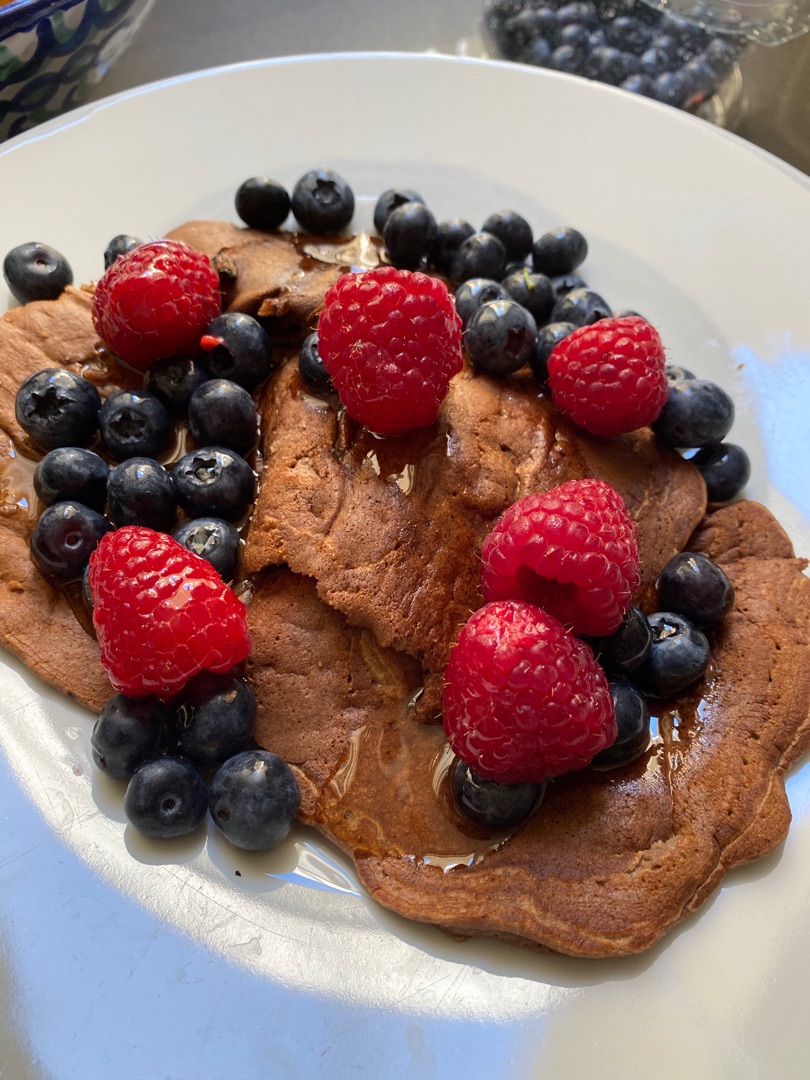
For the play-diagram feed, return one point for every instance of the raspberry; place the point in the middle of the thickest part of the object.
(609, 377)
(156, 302)
(391, 340)
(523, 698)
(572, 551)
(161, 613)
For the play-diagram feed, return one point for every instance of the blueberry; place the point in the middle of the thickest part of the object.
(499, 337)
(223, 413)
(575, 35)
(678, 658)
(262, 203)
(72, 473)
(391, 200)
(173, 380)
(214, 718)
(214, 482)
(629, 32)
(697, 412)
(214, 540)
(480, 255)
(532, 291)
(488, 803)
(547, 337)
(538, 53)
(633, 723)
(64, 538)
(578, 11)
(564, 283)
(638, 84)
(134, 423)
(165, 798)
(254, 799)
(322, 202)
(607, 64)
(726, 469)
(409, 233)
(675, 373)
(695, 587)
(521, 30)
(581, 307)
(667, 43)
(496, 12)
(536, 20)
(475, 292)
(568, 58)
(238, 348)
(627, 649)
(655, 61)
(127, 733)
(140, 492)
(118, 246)
(515, 267)
(311, 368)
(513, 231)
(449, 237)
(670, 87)
(36, 272)
(721, 55)
(691, 38)
(631, 66)
(700, 80)
(559, 251)
(57, 408)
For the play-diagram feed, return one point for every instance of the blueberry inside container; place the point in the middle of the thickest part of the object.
(681, 60)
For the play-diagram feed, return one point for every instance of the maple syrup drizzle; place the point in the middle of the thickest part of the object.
(361, 252)
(409, 756)
(407, 753)
(18, 498)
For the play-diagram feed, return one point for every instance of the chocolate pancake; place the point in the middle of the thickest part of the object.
(364, 559)
(391, 529)
(277, 276)
(610, 860)
(46, 627)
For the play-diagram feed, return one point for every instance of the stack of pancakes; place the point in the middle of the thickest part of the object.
(362, 560)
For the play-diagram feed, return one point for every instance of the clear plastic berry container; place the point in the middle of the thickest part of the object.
(766, 22)
(684, 53)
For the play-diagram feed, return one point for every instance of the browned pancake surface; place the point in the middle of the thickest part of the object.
(611, 860)
(269, 274)
(391, 529)
(383, 538)
(38, 622)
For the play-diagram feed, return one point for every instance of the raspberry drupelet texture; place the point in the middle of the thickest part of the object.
(161, 613)
(609, 377)
(571, 551)
(391, 341)
(155, 302)
(524, 699)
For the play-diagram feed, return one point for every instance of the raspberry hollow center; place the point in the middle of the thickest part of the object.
(560, 597)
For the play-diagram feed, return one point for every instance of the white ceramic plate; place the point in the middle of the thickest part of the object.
(128, 960)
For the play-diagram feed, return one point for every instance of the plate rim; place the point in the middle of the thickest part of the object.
(66, 119)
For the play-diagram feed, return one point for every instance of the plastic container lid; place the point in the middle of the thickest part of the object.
(766, 22)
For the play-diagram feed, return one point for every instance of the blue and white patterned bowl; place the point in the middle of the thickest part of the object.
(53, 52)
